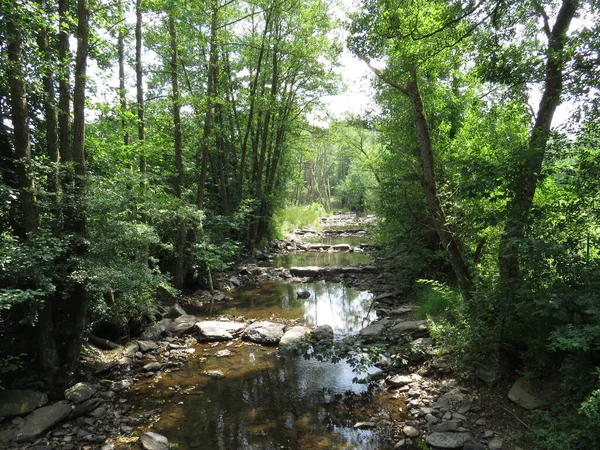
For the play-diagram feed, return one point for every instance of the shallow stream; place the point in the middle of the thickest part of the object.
(266, 400)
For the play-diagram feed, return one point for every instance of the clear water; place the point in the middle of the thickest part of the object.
(321, 259)
(266, 400)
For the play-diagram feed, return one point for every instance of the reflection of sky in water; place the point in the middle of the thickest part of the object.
(344, 309)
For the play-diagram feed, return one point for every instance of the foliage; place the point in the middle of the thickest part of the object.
(298, 217)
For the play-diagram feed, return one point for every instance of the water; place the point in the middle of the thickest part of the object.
(321, 259)
(345, 309)
(332, 239)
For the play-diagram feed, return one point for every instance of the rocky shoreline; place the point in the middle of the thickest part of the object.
(436, 408)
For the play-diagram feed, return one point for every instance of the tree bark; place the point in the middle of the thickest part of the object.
(64, 101)
(531, 166)
(50, 112)
(18, 95)
(210, 95)
(122, 89)
(178, 142)
(140, 85)
(428, 182)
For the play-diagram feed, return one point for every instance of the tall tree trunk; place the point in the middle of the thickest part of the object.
(50, 111)
(64, 101)
(23, 164)
(45, 329)
(530, 168)
(78, 302)
(210, 96)
(122, 90)
(180, 240)
(176, 98)
(140, 85)
(253, 87)
(446, 235)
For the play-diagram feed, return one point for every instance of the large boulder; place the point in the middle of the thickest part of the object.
(80, 392)
(173, 312)
(214, 330)
(182, 325)
(17, 403)
(322, 333)
(269, 333)
(154, 441)
(447, 440)
(387, 327)
(528, 396)
(42, 419)
(293, 336)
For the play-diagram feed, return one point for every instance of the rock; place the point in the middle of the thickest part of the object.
(80, 392)
(322, 333)
(118, 386)
(181, 325)
(410, 431)
(414, 327)
(490, 375)
(214, 330)
(495, 444)
(269, 333)
(294, 335)
(473, 446)
(364, 425)
(447, 440)
(146, 346)
(84, 408)
(235, 281)
(219, 297)
(154, 441)
(401, 443)
(223, 353)
(524, 394)
(302, 293)
(152, 367)
(375, 330)
(42, 419)
(173, 312)
(448, 425)
(214, 373)
(340, 248)
(399, 380)
(17, 403)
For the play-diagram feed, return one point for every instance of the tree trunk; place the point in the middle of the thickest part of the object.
(122, 90)
(178, 143)
(428, 181)
(140, 85)
(78, 302)
(210, 95)
(45, 332)
(531, 166)
(50, 111)
(64, 100)
(23, 164)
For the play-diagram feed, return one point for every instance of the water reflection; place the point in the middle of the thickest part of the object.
(353, 241)
(321, 259)
(345, 309)
(266, 401)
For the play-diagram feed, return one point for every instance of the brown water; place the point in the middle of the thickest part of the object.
(321, 259)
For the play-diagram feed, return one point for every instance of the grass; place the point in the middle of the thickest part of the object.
(436, 300)
(294, 217)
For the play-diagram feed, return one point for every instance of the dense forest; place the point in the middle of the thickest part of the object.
(481, 161)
